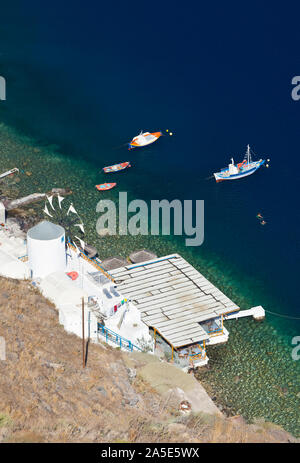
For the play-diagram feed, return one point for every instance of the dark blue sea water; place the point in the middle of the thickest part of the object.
(88, 76)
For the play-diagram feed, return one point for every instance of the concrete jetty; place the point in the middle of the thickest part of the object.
(258, 313)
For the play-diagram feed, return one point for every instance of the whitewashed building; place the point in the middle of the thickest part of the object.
(46, 249)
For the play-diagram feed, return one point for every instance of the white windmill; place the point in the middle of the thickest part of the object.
(65, 214)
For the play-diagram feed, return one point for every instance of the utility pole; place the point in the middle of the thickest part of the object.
(83, 343)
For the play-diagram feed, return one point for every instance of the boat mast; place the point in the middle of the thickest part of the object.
(248, 154)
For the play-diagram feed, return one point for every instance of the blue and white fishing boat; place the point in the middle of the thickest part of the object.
(235, 171)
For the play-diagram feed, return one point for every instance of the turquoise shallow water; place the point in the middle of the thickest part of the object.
(253, 374)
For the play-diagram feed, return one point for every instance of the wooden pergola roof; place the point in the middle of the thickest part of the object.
(173, 298)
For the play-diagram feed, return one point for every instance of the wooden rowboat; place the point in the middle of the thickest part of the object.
(116, 167)
(105, 186)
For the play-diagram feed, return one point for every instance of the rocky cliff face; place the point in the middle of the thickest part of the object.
(47, 396)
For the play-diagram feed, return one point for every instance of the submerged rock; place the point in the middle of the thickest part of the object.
(15, 203)
(61, 191)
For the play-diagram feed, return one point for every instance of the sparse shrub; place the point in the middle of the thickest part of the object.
(197, 420)
(146, 346)
(5, 420)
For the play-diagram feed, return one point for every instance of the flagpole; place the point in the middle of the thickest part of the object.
(83, 353)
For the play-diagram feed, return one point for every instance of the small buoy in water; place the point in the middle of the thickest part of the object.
(167, 130)
(171, 133)
(268, 160)
(267, 165)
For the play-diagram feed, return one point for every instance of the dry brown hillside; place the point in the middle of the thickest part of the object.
(46, 395)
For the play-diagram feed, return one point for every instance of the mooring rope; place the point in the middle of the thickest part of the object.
(282, 315)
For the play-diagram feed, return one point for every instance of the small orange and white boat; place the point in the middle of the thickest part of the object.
(105, 186)
(144, 139)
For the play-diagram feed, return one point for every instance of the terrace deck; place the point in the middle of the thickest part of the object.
(173, 298)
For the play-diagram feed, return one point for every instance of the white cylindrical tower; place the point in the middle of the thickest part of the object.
(46, 249)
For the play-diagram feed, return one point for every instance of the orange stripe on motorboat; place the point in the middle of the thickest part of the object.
(156, 134)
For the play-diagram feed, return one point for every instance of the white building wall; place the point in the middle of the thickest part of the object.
(71, 319)
(2, 213)
(130, 326)
(46, 256)
(12, 267)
